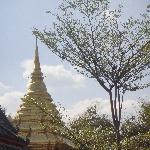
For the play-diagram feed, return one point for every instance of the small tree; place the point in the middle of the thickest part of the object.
(145, 113)
(93, 39)
(94, 131)
(135, 133)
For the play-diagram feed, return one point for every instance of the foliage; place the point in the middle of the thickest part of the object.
(145, 113)
(94, 132)
(138, 142)
(2, 109)
(132, 128)
(92, 38)
(148, 8)
(136, 134)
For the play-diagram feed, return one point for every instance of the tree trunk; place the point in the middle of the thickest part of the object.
(116, 115)
(118, 139)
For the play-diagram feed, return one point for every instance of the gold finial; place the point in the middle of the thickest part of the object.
(36, 58)
(37, 68)
(36, 42)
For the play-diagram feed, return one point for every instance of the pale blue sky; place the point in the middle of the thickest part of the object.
(17, 44)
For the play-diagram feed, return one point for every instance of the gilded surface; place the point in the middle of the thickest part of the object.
(31, 118)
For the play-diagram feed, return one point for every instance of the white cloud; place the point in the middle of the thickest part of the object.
(4, 87)
(130, 107)
(59, 76)
(56, 76)
(27, 65)
(11, 101)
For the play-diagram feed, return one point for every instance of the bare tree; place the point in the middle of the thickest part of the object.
(91, 36)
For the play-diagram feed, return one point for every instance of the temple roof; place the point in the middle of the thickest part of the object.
(4, 122)
(8, 135)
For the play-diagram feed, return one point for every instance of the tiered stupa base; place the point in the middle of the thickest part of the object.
(41, 146)
(49, 146)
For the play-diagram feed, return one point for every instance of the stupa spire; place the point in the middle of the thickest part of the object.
(36, 58)
(36, 83)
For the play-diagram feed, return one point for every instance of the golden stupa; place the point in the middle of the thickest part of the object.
(38, 118)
